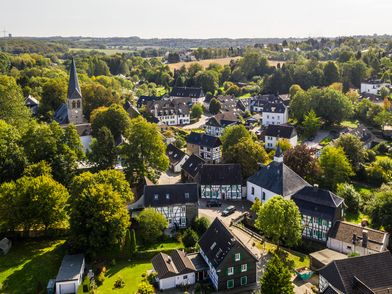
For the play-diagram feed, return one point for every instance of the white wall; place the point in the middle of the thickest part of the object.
(270, 118)
(178, 166)
(67, 287)
(258, 193)
(211, 272)
(347, 248)
(373, 88)
(270, 142)
(168, 283)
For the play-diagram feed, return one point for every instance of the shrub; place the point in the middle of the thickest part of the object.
(145, 288)
(119, 283)
(351, 197)
(189, 239)
(200, 225)
(101, 278)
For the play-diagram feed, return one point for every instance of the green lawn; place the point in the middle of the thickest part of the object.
(29, 265)
(349, 124)
(130, 272)
(247, 95)
(163, 246)
(325, 141)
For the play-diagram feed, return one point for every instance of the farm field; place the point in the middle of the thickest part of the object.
(106, 51)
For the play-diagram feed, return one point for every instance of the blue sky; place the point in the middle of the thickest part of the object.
(196, 18)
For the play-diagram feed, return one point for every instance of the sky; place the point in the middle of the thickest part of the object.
(196, 18)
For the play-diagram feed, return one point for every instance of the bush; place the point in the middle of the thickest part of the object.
(119, 283)
(200, 225)
(190, 238)
(145, 288)
(101, 278)
(351, 197)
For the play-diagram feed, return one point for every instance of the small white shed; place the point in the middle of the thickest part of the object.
(70, 274)
(5, 246)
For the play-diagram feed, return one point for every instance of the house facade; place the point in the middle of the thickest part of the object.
(195, 94)
(177, 157)
(177, 202)
(191, 168)
(221, 181)
(217, 124)
(231, 264)
(171, 112)
(275, 114)
(274, 179)
(274, 133)
(373, 86)
(206, 146)
(70, 275)
(348, 238)
(320, 209)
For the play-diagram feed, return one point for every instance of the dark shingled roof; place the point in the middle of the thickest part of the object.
(177, 263)
(217, 242)
(278, 178)
(187, 92)
(70, 267)
(344, 231)
(223, 119)
(204, 140)
(330, 290)
(170, 194)
(371, 272)
(221, 174)
(61, 114)
(192, 165)
(169, 107)
(74, 91)
(175, 155)
(274, 108)
(281, 131)
(263, 100)
(142, 100)
(132, 110)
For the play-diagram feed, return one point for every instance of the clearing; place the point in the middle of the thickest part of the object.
(28, 266)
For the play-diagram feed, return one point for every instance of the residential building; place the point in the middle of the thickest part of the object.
(320, 209)
(143, 100)
(32, 104)
(171, 112)
(275, 114)
(258, 103)
(206, 146)
(367, 274)
(373, 86)
(195, 94)
(174, 270)
(72, 111)
(368, 139)
(274, 179)
(70, 274)
(229, 104)
(274, 133)
(221, 181)
(132, 110)
(217, 124)
(177, 157)
(231, 264)
(177, 202)
(348, 238)
(191, 168)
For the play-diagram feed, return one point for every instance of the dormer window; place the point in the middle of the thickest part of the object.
(155, 196)
(186, 195)
(167, 196)
(237, 257)
(213, 246)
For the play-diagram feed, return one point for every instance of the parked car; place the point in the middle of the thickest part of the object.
(213, 203)
(229, 210)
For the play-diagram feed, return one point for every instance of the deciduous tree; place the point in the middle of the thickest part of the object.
(151, 225)
(215, 106)
(276, 278)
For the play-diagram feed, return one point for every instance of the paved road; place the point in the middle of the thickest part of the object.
(169, 178)
(200, 123)
(318, 138)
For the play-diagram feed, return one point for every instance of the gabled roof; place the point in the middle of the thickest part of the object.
(175, 155)
(204, 140)
(278, 178)
(70, 267)
(187, 92)
(192, 165)
(142, 100)
(274, 107)
(74, 91)
(228, 103)
(223, 119)
(171, 194)
(221, 174)
(262, 100)
(132, 110)
(61, 114)
(30, 101)
(282, 131)
(372, 272)
(170, 107)
(217, 242)
(177, 263)
(344, 231)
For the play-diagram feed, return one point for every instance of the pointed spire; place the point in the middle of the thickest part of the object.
(278, 154)
(74, 91)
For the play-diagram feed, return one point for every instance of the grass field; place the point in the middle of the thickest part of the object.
(106, 51)
(162, 246)
(29, 265)
(130, 272)
(349, 124)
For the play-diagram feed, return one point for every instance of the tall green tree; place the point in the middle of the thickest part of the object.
(331, 73)
(215, 106)
(335, 166)
(54, 92)
(352, 199)
(311, 124)
(103, 151)
(151, 225)
(301, 159)
(353, 148)
(144, 152)
(196, 111)
(276, 278)
(232, 135)
(200, 225)
(280, 220)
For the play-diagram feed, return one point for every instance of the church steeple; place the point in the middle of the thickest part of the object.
(74, 103)
(278, 154)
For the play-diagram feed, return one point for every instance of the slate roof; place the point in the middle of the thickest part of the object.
(278, 178)
(171, 194)
(204, 140)
(228, 103)
(274, 108)
(132, 110)
(74, 91)
(221, 174)
(70, 267)
(344, 231)
(187, 92)
(330, 290)
(143, 100)
(177, 263)
(371, 272)
(282, 131)
(193, 165)
(217, 242)
(30, 101)
(170, 107)
(61, 114)
(175, 155)
(262, 100)
(223, 119)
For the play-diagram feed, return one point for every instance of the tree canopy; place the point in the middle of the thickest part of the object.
(151, 225)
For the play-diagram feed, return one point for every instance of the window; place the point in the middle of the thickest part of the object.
(253, 191)
(213, 246)
(167, 196)
(186, 195)
(183, 221)
(237, 257)
(183, 208)
(230, 284)
(263, 196)
(244, 267)
(156, 196)
(244, 280)
(230, 271)
(185, 277)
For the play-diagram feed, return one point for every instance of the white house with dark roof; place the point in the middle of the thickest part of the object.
(347, 238)
(177, 157)
(206, 146)
(171, 112)
(373, 86)
(32, 104)
(274, 179)
(195, 94)
(217, 124)
(275, 114)
(274, 133)
(70, 274)
(177, 202)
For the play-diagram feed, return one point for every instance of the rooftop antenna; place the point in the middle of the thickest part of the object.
(5, 39)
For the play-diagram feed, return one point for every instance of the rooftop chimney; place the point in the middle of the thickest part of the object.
(364, 238)
(315, 187)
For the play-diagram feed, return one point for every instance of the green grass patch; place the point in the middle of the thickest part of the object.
(29, 265)
(355, 218)
(130, 272)
(161, 91)
(325, 141)
(349, 124)
(247, 95)
(162, 246)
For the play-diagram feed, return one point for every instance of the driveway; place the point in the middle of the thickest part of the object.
(317, 139)
(199, 124)
(169, 178)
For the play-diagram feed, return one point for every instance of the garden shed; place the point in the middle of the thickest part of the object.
(5, 246)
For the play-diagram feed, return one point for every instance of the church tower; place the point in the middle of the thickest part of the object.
(74, 97)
